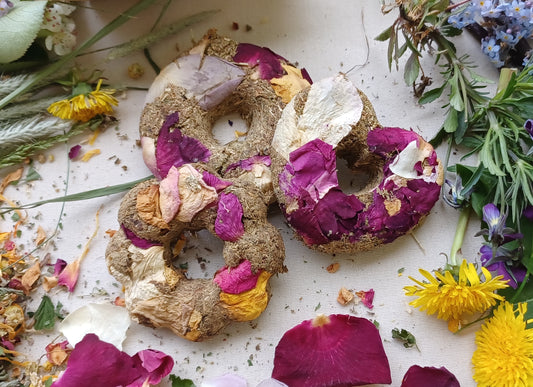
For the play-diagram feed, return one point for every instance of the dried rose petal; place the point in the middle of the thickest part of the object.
(249, 163)
(112, 367)
(59, 266)
(367, 298)
(138, 241)
(335, 351)
(169, 197)
(417, 376)
(209, 79)
(215, 182)
(238, 279)
(57, 353)
(74, 152)
(268, 62)
(228, 224)
(175, 149)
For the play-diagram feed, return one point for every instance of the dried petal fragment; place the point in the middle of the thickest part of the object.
(138, 241)
(367, 298)
(169, 198)
(289, 84)
(345, 296)
(113, 367)
(195, 194)
(331, 351)
(417, 376)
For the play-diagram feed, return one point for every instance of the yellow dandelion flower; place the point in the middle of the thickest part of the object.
(450, 299)
(86, 105)
(504, 354)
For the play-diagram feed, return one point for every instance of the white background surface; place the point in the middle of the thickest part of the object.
(325, 37)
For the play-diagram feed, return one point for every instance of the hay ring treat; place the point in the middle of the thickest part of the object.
(217, 77)
(202, 184)
(142, 252)
(330, 120)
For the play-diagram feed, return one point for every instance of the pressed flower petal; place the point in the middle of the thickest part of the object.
(107, 321)
(74, 152)
(113, 367)
(169, 197)
(214, 181)
(417, 376)
(138, 241)
(335, 351)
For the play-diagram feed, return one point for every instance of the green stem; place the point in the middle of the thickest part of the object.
(459, 237)
(520, 289)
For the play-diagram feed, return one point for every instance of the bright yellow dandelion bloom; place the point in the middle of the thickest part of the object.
(84, 106)
(451, 299)
(504, 354)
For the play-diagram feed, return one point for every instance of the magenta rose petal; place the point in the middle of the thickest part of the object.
(238, 279)
(138, 241)
(175, 149)
(268, 61)
(331, 351)
(114, 367)
(74, 152)
(417, 376)
(228, 224)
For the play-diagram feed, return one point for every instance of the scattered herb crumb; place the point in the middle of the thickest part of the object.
(317, 307)
(406, 337)
(400, 271)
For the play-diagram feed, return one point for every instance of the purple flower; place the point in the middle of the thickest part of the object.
(503, 264)
(5, 7)
(528, 126)
(497, 232)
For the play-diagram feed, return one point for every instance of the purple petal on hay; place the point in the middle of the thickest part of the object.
(236, 280)
(138, 241)
(269, 62)
(247, 164)
(214, 181)
(386, 140)
(228, 223)
(175, 149)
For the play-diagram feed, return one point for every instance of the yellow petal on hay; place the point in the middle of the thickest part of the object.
(290, 84)
(41, 236)
(30, 276)
(90, 154)
(250, 304)
(148, 206)
(11, 177)
(94, 136)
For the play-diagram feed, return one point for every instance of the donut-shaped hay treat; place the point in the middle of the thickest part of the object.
(218, 77)
(202, 184)
(333, 119)
(142, 252)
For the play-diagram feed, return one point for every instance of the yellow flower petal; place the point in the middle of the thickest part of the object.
(504, 354)
(452, 299)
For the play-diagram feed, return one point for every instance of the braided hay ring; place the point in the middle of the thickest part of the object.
(331, 119)
(201, 184)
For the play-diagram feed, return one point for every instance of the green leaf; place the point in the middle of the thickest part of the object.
(48, 382)
(32, 175)
(431, 95)
(406, 337)
(179, 382)
(45, 314)
(385, 35)
(411, 70)
(450, 124)
(19, 28)
(456, 100)
(526, 228)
